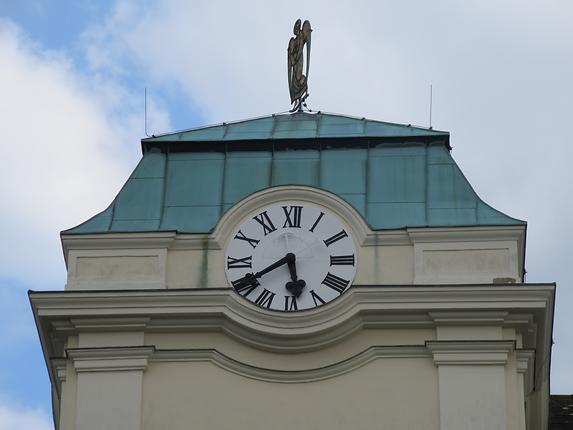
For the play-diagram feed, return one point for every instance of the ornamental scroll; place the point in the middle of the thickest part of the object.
(297, 64)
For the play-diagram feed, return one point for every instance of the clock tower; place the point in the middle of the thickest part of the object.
(304, 270)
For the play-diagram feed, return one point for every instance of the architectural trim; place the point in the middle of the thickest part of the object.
(174, 240)
(222, 310)
(269, 196)
(291, 376)
(525, 366)
(469, 318)
(118, 241)
(61, 367)
(466, 234)
(110, 359)
(470, 352)
(128, 280)
(111, 324)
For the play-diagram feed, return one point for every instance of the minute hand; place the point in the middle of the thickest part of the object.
(273, 266)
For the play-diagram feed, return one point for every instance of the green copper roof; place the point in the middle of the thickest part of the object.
(301, 125)
(395, 176)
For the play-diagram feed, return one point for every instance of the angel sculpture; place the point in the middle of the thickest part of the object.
(297, 81)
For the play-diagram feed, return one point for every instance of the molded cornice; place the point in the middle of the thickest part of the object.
(110, 359)
(361, 306)
(292, 376)
(470, 352)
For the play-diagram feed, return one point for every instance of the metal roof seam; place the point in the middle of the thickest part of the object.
(393, 179)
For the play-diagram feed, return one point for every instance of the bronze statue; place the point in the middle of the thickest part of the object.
(297, 81)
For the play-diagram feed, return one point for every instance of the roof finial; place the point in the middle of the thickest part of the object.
(297, 81)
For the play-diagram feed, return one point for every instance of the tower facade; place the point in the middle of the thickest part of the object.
(305, 270)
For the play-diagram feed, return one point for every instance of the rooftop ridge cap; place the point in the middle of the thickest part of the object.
(219, 124)
(288, 113)
(363, 118)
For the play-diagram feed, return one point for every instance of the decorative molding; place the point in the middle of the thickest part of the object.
(110, 359)
(137, 358)
(109, 241)
(213, 309)
(470, 352)
(525, 366)
(292, 376)
(510, 237)
(425, 272)
(519, 319)
(156, 280)
(469, 318)
(268, 196)
(111, 324)
(61, 367)
(466, 234)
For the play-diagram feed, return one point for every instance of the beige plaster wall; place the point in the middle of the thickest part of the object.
(205, 269)
(441, 262)
(385, 394)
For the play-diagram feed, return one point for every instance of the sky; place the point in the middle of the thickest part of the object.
(72, 81)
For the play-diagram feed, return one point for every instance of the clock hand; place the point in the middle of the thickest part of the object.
(250, 279)
(291, 265)
(295, 286)
(273, 266)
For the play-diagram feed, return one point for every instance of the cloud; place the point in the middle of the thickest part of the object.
(501, 73)
(69, 140)
(18, 418)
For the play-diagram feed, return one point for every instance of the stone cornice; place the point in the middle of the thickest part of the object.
(443, 353)
(469, 318)
(291, 376)
(61, 366)
(174, 240)
(137, 358)
(466, 234)
(470, 352)
(361, 306)
(110, 359)
(525, 366)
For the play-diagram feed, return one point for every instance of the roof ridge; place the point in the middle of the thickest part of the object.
(338, 130)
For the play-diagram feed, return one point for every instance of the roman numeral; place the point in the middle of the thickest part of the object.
(290, 303)
(246, 284)
(317, 299)
(241, 236)
(336, 283)
(264, 220)
(342, 260)
(296, 212)
(265, 299)
(316, 222)
(239, 263)
(335, 238)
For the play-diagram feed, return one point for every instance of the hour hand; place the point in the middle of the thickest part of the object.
(296, 285)
(291, 262)
(246, 284)
(249, 282)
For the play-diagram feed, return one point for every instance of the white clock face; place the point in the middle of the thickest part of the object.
(291, 256)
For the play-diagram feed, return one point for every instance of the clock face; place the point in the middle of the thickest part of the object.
(291, 256)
